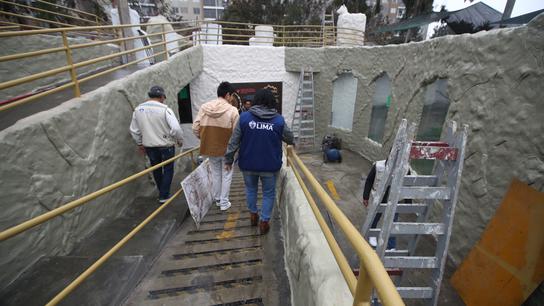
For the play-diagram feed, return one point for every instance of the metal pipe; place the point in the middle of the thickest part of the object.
(333, 244)
(101, 73)
(35, 18)
(68, 8)
(36, 96)
(30, 54)
(83, 276)
(69, 61)
(8, 233)
(363, 293)
(46, 11)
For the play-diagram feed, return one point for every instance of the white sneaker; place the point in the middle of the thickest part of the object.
(217, 203)
(225, 207)
(373, 242)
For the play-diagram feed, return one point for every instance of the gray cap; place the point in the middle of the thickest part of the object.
(156, 92)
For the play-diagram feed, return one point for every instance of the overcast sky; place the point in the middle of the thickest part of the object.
(521, 7)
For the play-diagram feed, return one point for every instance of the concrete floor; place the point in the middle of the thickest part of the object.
(12, 115)
(348, 180)
(225, 262)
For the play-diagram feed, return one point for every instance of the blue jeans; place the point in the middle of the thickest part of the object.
(163, 176)
(392, 242)
(269, 194)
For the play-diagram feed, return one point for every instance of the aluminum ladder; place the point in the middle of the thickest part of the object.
(437, 192)
(328, 29)
(303, 124)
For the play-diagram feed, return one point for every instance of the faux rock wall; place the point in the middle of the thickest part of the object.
(242, 64)
(494, 83)
(60, 155)
(15, 69)
(314, 275)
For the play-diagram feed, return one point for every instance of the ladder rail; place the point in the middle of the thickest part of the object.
(376, 195)
(448, 213)
(394, 193)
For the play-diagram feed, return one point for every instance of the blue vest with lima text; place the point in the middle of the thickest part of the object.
(260, 148)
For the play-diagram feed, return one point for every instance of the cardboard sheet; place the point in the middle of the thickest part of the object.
(507, 264)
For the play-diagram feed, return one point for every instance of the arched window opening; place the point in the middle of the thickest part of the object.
(435, 110)
(343, 101)
(380, 108)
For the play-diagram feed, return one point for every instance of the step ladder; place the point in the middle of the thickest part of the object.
(437, 192)
(303, 124)
(328, 29)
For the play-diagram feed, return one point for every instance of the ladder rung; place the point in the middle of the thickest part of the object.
(420, 180)
(433, 153)
(415, 292)
(410, 262)
(405, 208)
(440, 193)
(307, 98)
(304, 136)
(307, 121)
(395, 252)
(430, 143)
(411, 228)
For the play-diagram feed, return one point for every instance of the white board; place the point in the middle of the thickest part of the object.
(197, 187)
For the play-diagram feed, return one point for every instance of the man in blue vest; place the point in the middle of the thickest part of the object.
(258, 134)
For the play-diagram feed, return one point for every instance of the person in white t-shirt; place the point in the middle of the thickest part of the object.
(156, 131)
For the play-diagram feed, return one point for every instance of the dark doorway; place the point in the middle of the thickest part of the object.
(184, 105)
(247, 91)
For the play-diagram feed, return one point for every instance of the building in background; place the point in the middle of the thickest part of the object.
(392, 11)
(199, 9)
(188, 9)
(146, 8)
(213, 9)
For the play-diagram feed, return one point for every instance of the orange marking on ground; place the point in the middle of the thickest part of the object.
(228, 228)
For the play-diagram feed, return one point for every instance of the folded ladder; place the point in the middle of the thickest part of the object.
(439, 189)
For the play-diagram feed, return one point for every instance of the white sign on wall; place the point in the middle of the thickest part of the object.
(197, 187)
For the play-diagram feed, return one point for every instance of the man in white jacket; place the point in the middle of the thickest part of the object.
(156, 130)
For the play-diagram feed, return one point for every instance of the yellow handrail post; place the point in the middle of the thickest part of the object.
(164, 41)
(70, 62)
(363, 292)
(289, 154)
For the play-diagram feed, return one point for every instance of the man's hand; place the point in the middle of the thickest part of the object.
(141, 150)
(365, 203)
(228, 167)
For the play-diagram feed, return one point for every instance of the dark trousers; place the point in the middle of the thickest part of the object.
(392, 242)
(163, 175)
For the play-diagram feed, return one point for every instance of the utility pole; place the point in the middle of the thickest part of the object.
(124, 18)
(508, 9)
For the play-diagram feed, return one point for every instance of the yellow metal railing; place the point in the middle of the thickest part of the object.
(372, 273)
(8, 233)
(191, 32)
(53, 10)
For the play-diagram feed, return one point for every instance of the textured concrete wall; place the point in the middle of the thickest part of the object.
(59, 155)
(314, 275)
(15, 69)
(494, 83)
(242, 64)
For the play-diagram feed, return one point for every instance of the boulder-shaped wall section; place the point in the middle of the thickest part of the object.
(60, 155)
(493, 79)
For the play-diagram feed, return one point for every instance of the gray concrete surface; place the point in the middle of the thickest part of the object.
(225, 262)
(313, 272)
(80, 146)
(12, 115)
(15, 69)
(493, 85)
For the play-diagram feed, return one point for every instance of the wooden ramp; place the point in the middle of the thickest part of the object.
(222, 263)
